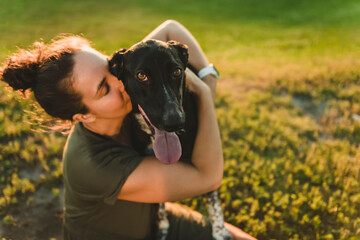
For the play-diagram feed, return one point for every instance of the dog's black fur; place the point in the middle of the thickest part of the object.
(163, 95)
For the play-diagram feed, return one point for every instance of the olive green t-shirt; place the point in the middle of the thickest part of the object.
(95, 168)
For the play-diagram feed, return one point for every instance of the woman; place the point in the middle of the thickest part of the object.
(111, 190)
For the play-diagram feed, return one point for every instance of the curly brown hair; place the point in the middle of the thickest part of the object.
(47, 69)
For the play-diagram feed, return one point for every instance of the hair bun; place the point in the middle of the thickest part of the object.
(20, 69)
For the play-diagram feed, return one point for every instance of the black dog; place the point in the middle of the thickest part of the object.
(153, 73)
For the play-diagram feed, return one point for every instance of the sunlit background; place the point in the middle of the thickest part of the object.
(288, 106)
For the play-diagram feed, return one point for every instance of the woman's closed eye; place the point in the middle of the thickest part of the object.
(103, 88)
(106, 89)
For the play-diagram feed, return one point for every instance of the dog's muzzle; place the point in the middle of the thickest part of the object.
(167, 147)
(173, 119)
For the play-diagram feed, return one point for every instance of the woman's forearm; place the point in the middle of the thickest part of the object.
(207, 155)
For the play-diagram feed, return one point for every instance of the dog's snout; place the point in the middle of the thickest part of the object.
(173, 119)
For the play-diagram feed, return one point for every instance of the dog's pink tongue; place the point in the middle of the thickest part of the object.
(166, 146)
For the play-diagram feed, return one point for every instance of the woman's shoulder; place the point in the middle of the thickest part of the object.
(88, 146)
(96, 159)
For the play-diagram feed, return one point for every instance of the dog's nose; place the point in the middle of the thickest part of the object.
(174, 128)
(173, 119)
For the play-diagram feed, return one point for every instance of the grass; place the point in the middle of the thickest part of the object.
(286, 102)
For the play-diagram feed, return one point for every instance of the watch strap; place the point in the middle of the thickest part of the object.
(209, 69)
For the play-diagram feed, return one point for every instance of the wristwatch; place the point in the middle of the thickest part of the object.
(209, 69)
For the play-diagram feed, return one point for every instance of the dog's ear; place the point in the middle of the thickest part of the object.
(116, 63)
(182, 49)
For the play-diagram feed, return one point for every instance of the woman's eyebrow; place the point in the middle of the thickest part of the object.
(101, 85)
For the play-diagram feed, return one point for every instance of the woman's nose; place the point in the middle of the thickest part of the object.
(119, 84)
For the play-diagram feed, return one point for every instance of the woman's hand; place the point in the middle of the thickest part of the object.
(195, 84)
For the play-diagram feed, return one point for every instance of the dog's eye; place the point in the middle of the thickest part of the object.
(142, 76)
(177, 72)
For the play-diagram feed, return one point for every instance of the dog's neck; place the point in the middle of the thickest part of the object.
(123, 136)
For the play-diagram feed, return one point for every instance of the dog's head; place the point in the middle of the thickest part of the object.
(153, 73)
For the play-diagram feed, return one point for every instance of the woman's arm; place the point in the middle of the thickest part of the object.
(173, 30)
(153, 181)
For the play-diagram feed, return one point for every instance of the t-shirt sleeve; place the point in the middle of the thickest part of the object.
(99, 176)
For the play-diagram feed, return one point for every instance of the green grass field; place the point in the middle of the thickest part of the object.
(287, 104)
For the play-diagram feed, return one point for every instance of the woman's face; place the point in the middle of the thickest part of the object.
(102, 92)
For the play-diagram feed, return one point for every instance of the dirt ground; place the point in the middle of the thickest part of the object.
(39, 219)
